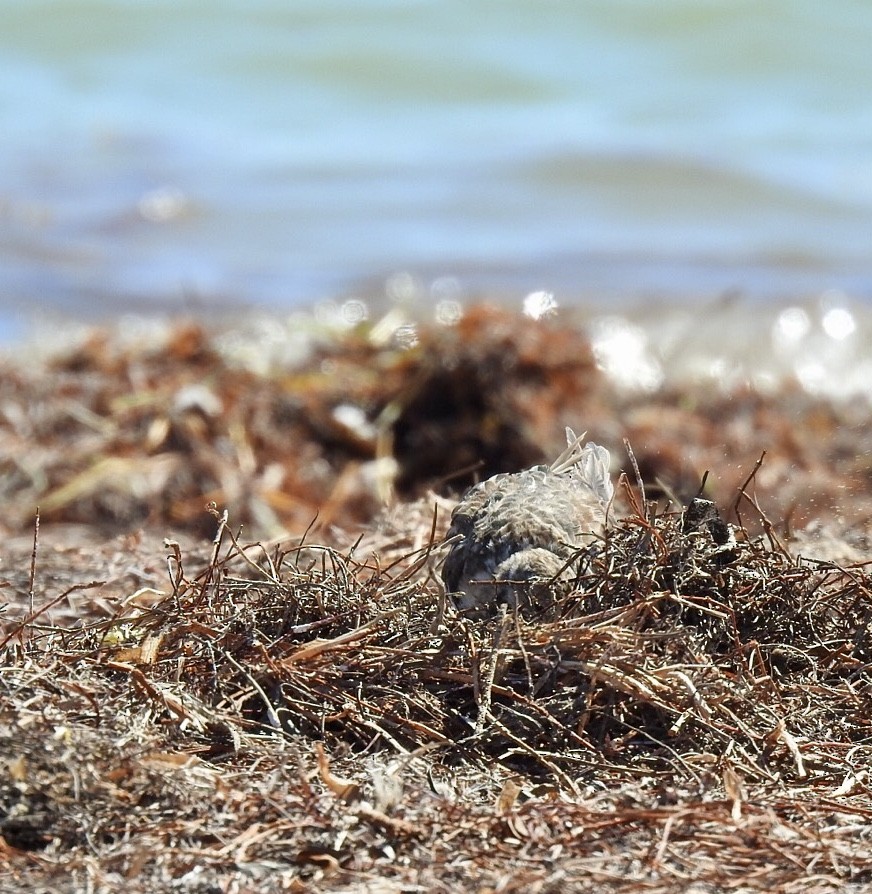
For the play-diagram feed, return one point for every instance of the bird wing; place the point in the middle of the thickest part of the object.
(589, 464)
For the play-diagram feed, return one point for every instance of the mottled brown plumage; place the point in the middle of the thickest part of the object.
(517, 538)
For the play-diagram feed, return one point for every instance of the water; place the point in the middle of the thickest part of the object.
(165, 155)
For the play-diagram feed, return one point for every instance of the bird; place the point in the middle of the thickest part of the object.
(517, 538)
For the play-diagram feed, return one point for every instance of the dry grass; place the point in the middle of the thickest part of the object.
(309, 714)
(307, 717)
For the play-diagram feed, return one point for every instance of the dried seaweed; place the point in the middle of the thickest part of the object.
(310, 713)
(144, 432)
(316, 716)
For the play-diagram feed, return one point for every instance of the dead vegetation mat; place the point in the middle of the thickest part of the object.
(119, 432)
(308, 713)
(309, 717)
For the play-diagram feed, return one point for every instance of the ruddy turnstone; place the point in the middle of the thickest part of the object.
(517, 538)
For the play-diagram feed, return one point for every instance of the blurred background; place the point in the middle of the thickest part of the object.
(192, 155)
(688, 181)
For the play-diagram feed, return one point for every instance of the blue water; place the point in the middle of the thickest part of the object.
(164, 155)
